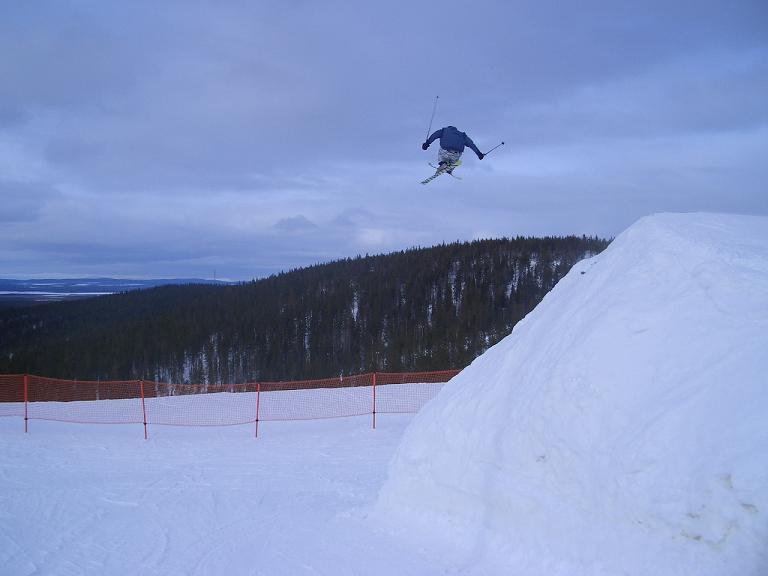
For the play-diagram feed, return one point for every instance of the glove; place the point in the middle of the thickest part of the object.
(481, 156)
(424, 146)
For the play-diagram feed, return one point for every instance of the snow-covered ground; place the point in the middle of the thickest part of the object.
(622, 428)
(99, 499)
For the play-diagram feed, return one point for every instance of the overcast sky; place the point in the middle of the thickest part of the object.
(172, 139)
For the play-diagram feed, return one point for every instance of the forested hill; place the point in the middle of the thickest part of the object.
(420, 309)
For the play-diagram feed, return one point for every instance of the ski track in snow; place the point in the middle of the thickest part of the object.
(98, 499)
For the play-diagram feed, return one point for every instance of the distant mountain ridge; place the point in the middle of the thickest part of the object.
(418, 309)
(22, 292)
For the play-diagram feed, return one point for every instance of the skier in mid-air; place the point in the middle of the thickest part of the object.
(452, 143)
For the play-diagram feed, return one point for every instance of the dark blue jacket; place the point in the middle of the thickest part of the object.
(452, 139)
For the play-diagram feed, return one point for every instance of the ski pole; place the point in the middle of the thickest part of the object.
(434, 107)
(494, 148)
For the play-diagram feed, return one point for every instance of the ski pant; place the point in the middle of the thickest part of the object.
(451, 156)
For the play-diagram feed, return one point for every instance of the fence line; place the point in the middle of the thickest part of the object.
(160, 403)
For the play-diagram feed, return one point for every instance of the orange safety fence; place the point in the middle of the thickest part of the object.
(159, 403)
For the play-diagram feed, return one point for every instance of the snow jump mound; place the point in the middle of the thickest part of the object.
(622, 428)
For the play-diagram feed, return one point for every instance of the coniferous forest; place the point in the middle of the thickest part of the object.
(419, 309)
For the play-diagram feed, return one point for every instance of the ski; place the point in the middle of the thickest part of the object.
(451, 174)
(441, 170)
(435, 175)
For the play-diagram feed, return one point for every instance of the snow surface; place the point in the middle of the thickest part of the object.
(622, 428)
(98, 499)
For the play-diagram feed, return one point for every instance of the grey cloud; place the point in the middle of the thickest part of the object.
(11, 115)
(295, 224)
(711, 92)
(22, 201)
(253, 136)
(152, 94)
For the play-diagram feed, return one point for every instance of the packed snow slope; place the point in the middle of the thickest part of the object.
(99, 500)
(622, 428)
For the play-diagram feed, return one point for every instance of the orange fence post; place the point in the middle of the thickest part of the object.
(143, 408)
(374, 401)
(258, 394)
(26, 401)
